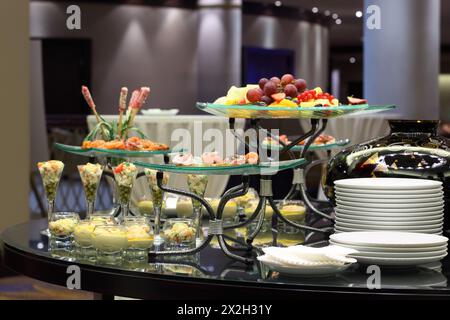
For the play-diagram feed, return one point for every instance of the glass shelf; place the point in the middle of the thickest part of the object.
(328, 146)
(264, 168)
(282, 112)
(94, 152)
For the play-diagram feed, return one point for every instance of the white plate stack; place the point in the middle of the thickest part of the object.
(393, 248)
(389, 204)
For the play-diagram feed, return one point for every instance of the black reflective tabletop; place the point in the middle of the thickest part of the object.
(26, 251)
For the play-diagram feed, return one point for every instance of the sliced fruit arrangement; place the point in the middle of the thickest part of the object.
(286, 91)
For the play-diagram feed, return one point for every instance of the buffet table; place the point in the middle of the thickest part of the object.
(210, 275)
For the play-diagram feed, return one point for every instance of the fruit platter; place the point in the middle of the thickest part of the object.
(284, 98)
(118, 138)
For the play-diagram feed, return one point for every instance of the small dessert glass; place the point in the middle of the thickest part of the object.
(103, 217)
(197, 184)
(90, 178)
(184, 207)
(110, 243)
(294, 211)
(62, 226)
(125, 175)
(83, 238)
(140, 238)
(157, 197)
(179, 234)
(50, 172)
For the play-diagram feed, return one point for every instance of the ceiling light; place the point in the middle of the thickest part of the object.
(278, 3)
(315, 10)
(358, 14)
(338, 21)
(335, 16)
(352, 60)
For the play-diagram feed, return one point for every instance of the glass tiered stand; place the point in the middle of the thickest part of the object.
(266, 169)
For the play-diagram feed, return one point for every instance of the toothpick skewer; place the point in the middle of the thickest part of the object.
(136, 104)
(88, 97)
(122, 109)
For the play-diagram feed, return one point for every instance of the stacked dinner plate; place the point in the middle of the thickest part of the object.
(393, 248)
(389, 204)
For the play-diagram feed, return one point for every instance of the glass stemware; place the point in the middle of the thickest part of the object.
(50, 172)
(125, 175)
(197, 184)
(90, 177)
(157, 197)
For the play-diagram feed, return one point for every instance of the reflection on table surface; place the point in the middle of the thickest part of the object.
(211, 263)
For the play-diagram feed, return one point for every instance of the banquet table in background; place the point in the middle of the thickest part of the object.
(163, 129)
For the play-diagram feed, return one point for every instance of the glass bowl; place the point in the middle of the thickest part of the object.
(179, 233)
(62, 226)
(110, 243)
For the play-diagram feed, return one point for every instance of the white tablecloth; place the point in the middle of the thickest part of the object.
(161, 128)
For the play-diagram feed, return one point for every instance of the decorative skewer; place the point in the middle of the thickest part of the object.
(88, 97)
(136, 105)
(122, 109)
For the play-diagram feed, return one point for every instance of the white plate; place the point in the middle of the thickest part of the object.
(301, 270)
(388, 227)
(380, 192)
(393, 249)
(372, 229)
(403, 218)
(379, 213)
(390, 223)
(392, 210)
(160, 112)
(399, 261)
(383, 205)
(400, 254)
(388, 184)
(388, 195)
(388, 239)
(393, 201)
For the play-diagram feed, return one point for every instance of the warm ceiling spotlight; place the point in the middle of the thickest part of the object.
(315, 10)
(327, 12)
(358, 14)
(278, 3)
(352, 60)
(335, 16)
(338, 21)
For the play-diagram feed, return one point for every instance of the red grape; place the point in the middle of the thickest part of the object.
(263, 82)
(254, 95)
(270, 88)
(287, 79)
(291, 91)
(267, 100)
(300, 84)
(276, 80)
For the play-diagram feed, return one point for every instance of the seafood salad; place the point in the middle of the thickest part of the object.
(125, 174)
(179, 232)
(63, 227)
(51, 173)
(214, 159)
(157, 193)
(197, 184)
(90, 177)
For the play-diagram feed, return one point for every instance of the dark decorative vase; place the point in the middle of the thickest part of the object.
(413, 149)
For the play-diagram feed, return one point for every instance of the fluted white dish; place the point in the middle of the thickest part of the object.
(388, 184)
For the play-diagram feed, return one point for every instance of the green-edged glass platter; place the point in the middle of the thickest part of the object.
(328, 146)
(245, 169)
(249, 111)
(95, 152)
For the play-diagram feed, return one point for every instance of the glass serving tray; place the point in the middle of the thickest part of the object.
(95, 152)
(258, 112)
(245, 169)
(328, 146)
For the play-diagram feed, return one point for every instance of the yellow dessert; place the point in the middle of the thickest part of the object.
(139, 236)
(293, 212)
(230, 210)
(110, 238)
